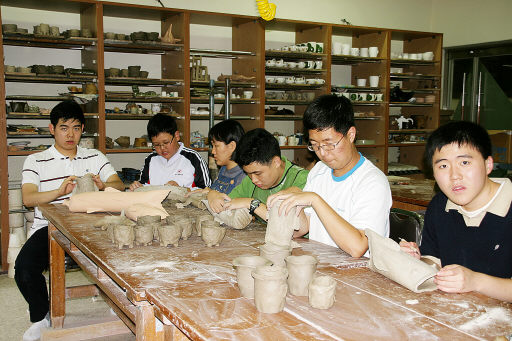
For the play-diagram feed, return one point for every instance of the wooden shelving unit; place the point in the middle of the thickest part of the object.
(245, 57)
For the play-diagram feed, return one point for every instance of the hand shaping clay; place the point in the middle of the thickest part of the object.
(237, 219)
(280, 227)
(322, 292)
(300, 273)
(144, 235)
(123, 235)
(387, 259)
(270, 288)
(244, 265)
(112, 200)
(212, 233)
(84, 184)
(275, 253)
(169, 234)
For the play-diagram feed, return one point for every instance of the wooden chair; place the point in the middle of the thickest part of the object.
(405, 224)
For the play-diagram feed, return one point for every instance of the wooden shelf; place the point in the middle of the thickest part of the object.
(144, 99)
(212, 53)
(406, 76)
(57, 79)
(220, 84)
(129, 150)
(39, 116)
(302, 146)
(410, 131)
(142, 81)
(405, 144)
(407, 104)
(283, 117)
(295, 71)
(274, 86)
(365, 103)
(411, 62)
(286, 102)
(355, 88)
(146, 47)
(29, 40)
(37, 98)
(351, 60)
(294, 55)
(220, 117)
(206, 100)
(38, 136)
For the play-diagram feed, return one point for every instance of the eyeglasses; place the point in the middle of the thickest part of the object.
(163, 145)
(325, 147)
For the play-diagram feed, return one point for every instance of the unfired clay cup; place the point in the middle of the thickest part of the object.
(270, 288)
(322, 292)
(244, 266)
(300, 273)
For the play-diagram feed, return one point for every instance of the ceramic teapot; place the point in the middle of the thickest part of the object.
(404, 123)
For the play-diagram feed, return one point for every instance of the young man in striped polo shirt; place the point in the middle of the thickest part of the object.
(49, 177)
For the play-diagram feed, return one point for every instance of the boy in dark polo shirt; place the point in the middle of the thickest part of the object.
(469, 224)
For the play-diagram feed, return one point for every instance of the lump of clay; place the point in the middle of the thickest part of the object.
(237, 219)
(84, 184)
(244, 266)
(322, 292)
(301, 270)
(270, 288)
(123, 235)
(196, 199)
(148, 220)
(387, 259)
(280, 227)
(169, 234)
(112, 220)
(212, 233)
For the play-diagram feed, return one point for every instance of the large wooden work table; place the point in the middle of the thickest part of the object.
(191, 292)
(410, 193)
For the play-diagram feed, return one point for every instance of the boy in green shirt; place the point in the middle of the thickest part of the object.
(268, 172)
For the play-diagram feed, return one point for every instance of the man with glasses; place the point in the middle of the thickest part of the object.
(171, 163)
(345, 193)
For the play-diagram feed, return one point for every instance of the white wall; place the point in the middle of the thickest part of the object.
(402, 14)
(466, 22)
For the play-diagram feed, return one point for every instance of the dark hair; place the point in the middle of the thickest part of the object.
(328, 111)
(161, 123)
(257, 145)
(227, 131)
(67, 110)
(462, 133)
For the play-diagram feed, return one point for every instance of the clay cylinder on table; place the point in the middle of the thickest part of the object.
(169, 234)
(244, 266)
(143, 235)
(275, 253)
(199, 221)
(322, 292)
(300, 273)
(186, 224)
(123, 235)
(270, 288)
(16, 219)
(212, 233)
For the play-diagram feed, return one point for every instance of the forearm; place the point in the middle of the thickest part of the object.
(117, 184)
(346, 236)
(261, 211)
(304, 225)
(495, 287)
(36, 198)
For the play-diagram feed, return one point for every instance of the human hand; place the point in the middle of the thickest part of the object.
(455, 278)
(217, 201)
(134, 185)
(238, 203)
(67, 186)
(285, 193)
(410, 248)
(97, 181)
(173, 183)
(300, 200)
(197, 191)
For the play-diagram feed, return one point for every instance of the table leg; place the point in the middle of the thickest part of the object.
(57, 281)
(145, 324)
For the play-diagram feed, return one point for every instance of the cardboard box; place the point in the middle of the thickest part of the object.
(501, 145)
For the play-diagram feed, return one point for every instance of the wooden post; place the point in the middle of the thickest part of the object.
(145, 323)
(57, 281)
